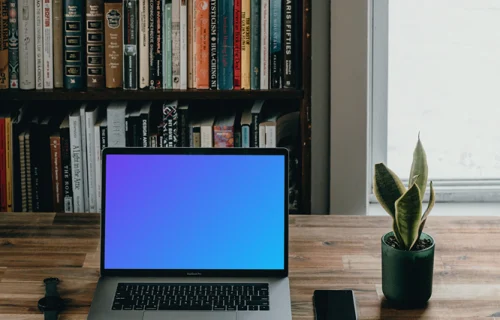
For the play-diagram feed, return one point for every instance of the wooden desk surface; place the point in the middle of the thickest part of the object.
(326, 252)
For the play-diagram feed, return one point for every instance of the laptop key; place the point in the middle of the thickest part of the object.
(242, 307)
(116, 307)
(139, 308)
(253, 308)
(128, 307)
(264, 308)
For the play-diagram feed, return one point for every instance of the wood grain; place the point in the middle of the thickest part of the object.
(326, 252)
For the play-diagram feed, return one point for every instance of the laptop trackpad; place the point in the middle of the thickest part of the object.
(189, 315)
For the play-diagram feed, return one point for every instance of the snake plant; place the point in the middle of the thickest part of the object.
(405, 204)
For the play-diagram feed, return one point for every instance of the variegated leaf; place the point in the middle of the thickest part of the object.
(387, 187)
(432, 200)
(419, 170)
(408, 211)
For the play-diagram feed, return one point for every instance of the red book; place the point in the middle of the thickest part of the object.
(3, 176)
(237, 45)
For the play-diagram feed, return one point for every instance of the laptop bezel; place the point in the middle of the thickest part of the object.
(193, 273)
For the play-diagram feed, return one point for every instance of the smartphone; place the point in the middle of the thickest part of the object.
(334, 304)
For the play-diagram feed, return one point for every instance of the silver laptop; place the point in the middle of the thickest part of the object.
(192, 234)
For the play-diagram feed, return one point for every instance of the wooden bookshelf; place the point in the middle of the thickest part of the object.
(302, 96)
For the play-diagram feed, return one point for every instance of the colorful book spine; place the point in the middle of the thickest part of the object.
(255, 45)
(245, 44)
(57, 38)
(275, 43)
(225, 45)
(55, 160)
(168, 45)
(170, 124)
(158, 45)
(95, 44)
(264, 45)
(289, 29)
(237, 45)
(130, 42)
(48, 45)
(176, 44)
(202, 44)
(38, 44)
(213, 44)
(113, 50)
(73, 46)
(223, 136)
(143, 43)
(13, 58)
(151, 46)
(67, 179)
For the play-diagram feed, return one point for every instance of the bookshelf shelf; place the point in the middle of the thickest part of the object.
(111, 94)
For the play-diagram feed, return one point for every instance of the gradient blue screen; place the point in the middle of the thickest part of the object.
(194, 212)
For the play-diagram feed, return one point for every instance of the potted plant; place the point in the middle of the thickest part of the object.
(407, 252)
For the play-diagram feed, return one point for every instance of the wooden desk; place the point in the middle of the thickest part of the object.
(326, 252)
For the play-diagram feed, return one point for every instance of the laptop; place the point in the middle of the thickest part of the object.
(192, 234)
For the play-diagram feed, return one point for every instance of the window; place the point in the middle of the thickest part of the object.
(436, 70)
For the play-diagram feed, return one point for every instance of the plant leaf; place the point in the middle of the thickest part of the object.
(432, 200)
(387, 187)
(408, 210)
(395, 229)
(419, 170)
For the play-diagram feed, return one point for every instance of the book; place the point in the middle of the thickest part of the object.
(130, 42)
(38, 44)
(225, 45)
(288, 43)
(170, 122)
(13, 57)
(57, 39)
(9, 167)
(202, 44)
(84, 157)
(176, 44)
(183, 125)
(167, 45)
(143, 44)
(116, 123)
(224, 130)
(26, 45)
(191, 41)
(3, 169)
(255, 23)
(246, 127)
(66, 155)
(113, 39)
(159, 57)
(76, 161)
(206, 122)
(256, 117)
(214, 34)
(237, 45)
(57, 183)
(264, 45)
(48, 45)
(95, 43)
(100, 138)
(183, 75)
(73, 44)
(275, 43)
(91, 113)
(245, 44)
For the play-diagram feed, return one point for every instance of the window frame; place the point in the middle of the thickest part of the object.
(447, 190)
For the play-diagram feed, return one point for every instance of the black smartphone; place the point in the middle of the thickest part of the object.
(334, 304)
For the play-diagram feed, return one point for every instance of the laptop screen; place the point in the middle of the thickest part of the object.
(194, 212)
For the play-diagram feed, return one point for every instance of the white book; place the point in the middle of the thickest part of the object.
(207, 132)
(85, 176)
(143, 43)
(271, 136)
(39, 43)
(264, 47)
(183, 49)
(98, 167)
(116, 123)
(262, 135)
(26, 29)
(176, 44)
(48, 64)
(90, 120)
(75, 142)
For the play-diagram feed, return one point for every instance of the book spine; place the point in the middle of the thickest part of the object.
(275, 44)
(55, 158)
(97, 161)
(288, 30)
(130, 72)
(245, 136)
(4, 44)
(67, 178)
(23, 173)
(237, 139)
(95, 44)
(225, 45)
(3, 175)
(213, 44)
(262, 136)
(168, 45)
(271, 136)
(176, 44)
(196, 137)
(8, 164)
(48, 44)
(158, 48)
(57, 40)
(90, 148)
(113, 39)
(143, 43)
(170, 125)
(38, 44)
(245, 44)
(255, 130)
(116, 128)
(76, 164)
(206, 137)
(237, 45)
(183, 45)
(151, 45)
(144, 131)
(34, 154)
(264, 45)
(202, 44)
(255, 45)
(73, 46)
(183, 127)
(26, 8)
(29, 189)
(223, 136)
(13, 56)
(191, 15)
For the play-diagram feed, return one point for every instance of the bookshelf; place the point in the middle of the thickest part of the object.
(13, 98)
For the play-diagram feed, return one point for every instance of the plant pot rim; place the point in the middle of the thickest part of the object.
(431, 247)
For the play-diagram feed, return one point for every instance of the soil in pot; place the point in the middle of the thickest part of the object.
(420, 245)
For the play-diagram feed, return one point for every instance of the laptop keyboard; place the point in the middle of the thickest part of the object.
(180, 296)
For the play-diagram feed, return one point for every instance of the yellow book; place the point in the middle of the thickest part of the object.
(245, 44)
(8, 164)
